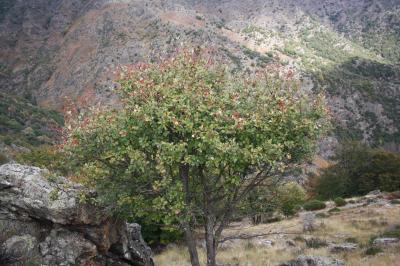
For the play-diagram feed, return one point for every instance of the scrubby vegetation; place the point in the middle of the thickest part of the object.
(340, 202)
(290, 198)
(314, 205)
(393, 232)
(359, 170)
(350, 225)
(25, 124)
(45, 156)
(372, 251)
(3, 158)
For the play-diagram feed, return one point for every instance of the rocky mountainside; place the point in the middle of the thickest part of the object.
(53, 50)
(42, 222)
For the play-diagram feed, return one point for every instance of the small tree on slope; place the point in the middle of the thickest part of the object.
(189, 142)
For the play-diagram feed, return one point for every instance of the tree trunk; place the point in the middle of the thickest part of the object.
(189, 238)
(211, 244)
(191, 244)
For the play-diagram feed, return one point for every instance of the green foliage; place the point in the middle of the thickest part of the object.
(314, 205)
(394, 232)
(188, 132)
(321, 215)
(340, 202)
(395, 201)
(372, 251)
(25, 124)
(48, 157)
(262, 60)
(3, 158)
(359, 170)
(290, 198)
(154, 232)
(334, 210)
(263, 201)
(316, 243)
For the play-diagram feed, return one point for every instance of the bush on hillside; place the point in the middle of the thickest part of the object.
(333, 210)
(372, 251)
(339, 202)
(156, 233)
(290, 197)
(48, 157)
(316, 243)
(3, 158)
(314, 205)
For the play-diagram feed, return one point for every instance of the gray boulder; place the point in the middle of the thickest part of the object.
(43, 223)
(314, 261)
(385, 241)
(345, 247)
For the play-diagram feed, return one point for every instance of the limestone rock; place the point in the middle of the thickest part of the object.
(308, 219)
(43, 223)
(264, 242)
(314, 261)
(385, 241)
(345, 247)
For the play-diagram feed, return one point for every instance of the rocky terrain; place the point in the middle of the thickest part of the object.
(366, 231)
(43, 222)
(55, 50)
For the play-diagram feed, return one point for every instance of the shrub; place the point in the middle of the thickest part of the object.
(371, 251)
(321, 215)
(290, 197)
(3, 158)
(395, 201)
(156, 233)
(340, 202)
(314, 205)
(316, 243)
(45, 157)
(334, 210)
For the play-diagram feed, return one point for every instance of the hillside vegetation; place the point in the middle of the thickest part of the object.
(349, 48)
(25, 125)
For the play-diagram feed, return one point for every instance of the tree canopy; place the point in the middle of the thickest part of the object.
(189, 141)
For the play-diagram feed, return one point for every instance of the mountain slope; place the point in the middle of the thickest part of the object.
(58, 49)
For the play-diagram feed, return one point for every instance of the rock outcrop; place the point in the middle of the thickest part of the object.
(42, 222)
(314, 261)
(386, 241)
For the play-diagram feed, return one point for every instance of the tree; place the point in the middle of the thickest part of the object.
(358, 170)
(189, 142)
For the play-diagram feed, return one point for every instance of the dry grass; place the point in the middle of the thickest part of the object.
(359, 223)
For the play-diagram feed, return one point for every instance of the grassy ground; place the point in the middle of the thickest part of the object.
(353, 223)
